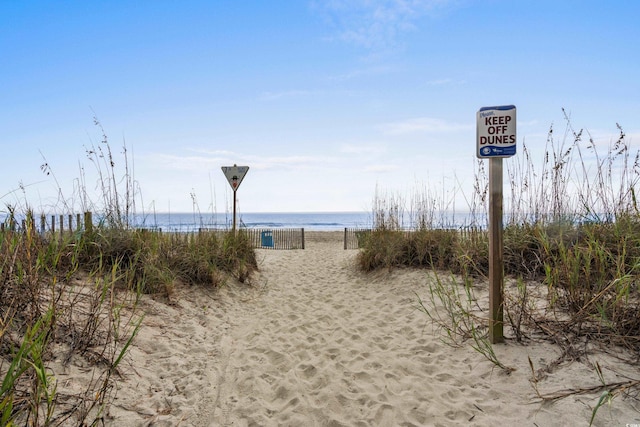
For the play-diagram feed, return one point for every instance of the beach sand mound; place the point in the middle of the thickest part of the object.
(314, 342)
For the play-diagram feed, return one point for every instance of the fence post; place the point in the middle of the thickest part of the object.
(302, 229)
(345, 238)
(88, 222)
(53, 224)
(43, 223)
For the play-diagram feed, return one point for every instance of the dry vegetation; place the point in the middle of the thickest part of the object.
(71, 299)
(571, 238)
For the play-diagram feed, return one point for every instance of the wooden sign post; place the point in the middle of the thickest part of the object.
(496, 139)
(235, 174)
(496, 251)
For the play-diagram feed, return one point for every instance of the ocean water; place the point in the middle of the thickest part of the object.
(319, 221)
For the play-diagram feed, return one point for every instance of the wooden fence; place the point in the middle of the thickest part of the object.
(354, 238)
(59, 223)
(277, 238)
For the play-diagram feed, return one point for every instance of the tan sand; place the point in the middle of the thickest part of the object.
(313, 342)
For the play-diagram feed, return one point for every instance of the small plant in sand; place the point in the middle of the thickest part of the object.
(454, 311)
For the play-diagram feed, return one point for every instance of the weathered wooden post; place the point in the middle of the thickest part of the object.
(345, 237)
(88, 222)
(496, 250)
(496, 139)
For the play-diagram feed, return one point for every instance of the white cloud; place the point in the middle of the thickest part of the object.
(362, 149)
(529, 123)
(439, 82)
(633, 138)
(374, 70)
(423, 125)
(216, 153)
(290, 162)
(381, 168)
(445, 82)
(216, 159)
(271, 96)
(375, 24)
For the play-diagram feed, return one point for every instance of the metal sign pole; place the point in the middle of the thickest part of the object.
(496, 269)
(234, 212)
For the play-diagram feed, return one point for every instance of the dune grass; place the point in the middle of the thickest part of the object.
(76, 296)
(571, 234)
(72, 297)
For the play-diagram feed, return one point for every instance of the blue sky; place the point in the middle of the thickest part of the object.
(325, 101)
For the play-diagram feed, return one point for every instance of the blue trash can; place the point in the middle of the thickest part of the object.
(266, 239)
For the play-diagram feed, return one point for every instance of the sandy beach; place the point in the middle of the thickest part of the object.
(314, 342)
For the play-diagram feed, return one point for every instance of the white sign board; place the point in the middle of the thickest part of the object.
(496, 131)
(235, 174)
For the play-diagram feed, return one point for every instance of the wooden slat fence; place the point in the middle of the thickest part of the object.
(354, 238)
(474, 234)
(276, 238)
(58, 223)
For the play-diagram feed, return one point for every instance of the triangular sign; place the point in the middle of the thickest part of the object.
(235, 174)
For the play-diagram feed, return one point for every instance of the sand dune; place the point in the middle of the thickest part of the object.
(313, 342)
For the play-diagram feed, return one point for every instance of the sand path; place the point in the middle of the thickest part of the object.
(316, 343)
(324, 345)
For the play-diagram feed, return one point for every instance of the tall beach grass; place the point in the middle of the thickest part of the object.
(72, 297)
(571, 241)
(572, 225)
